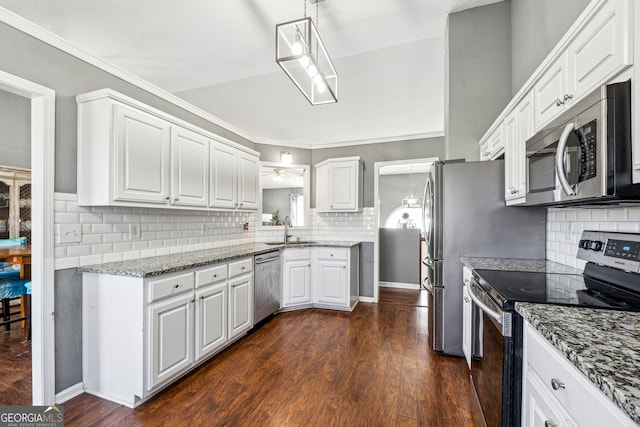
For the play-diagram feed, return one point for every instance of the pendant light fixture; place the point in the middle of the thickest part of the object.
(302, 55)
(411, 201)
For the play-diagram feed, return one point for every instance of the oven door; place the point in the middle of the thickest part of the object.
(495, 395)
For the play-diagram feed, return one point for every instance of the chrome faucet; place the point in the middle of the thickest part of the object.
(287, 224)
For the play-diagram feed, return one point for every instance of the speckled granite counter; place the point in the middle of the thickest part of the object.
(154, 266)
(511, 264)
(603, 344)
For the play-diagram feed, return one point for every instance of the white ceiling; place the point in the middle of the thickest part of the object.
(220, 56)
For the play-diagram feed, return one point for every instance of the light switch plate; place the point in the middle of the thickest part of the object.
(69, 233)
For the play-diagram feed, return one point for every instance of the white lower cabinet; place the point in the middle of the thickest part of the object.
(296, 289)
(556, 393)
(171, 334)
(240, 304)
(140, 334)
(323, 277)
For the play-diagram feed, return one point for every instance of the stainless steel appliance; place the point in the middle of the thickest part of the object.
(610, 280)
(266, 286)
(465, 215)
(584, 157)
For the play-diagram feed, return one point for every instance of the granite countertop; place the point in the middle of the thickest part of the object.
(603, 344)
(512, 264)
(155, 266)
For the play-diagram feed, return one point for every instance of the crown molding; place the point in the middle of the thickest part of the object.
(346, 143)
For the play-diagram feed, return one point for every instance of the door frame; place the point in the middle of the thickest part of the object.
(376, 214)
(42, 232)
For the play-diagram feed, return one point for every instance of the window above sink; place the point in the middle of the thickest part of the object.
(284, 190)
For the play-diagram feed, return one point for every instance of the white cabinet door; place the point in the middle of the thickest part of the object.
(510, 163)
(189, 168)
(171, 338)
(248, 175)
(602, 48)
(296, 283)
(540, 408)
(343, 186)
(467, 325)
(240, 305)
(142, 151)
(331, 283)
(322, 188)
(518, 127)
(552, 92)
(496, 143)
(224, 176)
(211, 319)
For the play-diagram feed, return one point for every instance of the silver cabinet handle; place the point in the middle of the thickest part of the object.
(193, 300)
(176, 286)
(201, 296)
(556, 384)
(466, 299)
(559, 102)
(175, 200)
(241, 204)
(166, 199)
(567, 97)
(549, 423)
(215, 275)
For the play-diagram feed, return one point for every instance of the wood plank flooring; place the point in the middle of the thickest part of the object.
(372, 367)
(15, 367)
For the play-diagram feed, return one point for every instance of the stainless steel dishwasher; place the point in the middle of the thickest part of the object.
(266, 294)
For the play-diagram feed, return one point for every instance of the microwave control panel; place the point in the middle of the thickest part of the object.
(587, 137)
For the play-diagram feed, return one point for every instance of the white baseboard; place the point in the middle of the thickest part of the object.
(399, 285)
(367, 299)
(70, 393)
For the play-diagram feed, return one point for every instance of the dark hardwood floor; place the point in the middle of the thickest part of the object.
(372, 367)
(15, 367)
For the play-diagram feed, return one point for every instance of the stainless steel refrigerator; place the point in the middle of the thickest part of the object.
(466, 216)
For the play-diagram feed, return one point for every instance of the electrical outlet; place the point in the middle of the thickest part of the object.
(204, 228)
(134, 231)
(69, 233)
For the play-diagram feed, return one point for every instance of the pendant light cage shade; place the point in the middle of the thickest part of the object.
(302, 55)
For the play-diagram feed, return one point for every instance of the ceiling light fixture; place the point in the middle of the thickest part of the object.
(280, 175)
(302, 55)
(286, 157)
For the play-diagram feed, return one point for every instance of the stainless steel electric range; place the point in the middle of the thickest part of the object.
(610, 280)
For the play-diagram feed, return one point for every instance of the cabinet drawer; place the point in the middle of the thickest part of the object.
(293, 254)
(211, 275)
(586, 404)
(240, 267)
(173, 285)
(333, 254)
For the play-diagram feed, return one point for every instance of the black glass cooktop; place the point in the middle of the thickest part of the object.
(509, 287)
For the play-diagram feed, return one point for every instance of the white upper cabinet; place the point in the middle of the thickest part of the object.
(141, 156)
(130, 154)
(248, 176)
(189, 168)
(224, 176)
(518, 127)
(234, 178)
(602, 48)
(339, 185)
(553, 92)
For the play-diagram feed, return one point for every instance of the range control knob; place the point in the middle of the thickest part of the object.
(584, 244)
(595, 245)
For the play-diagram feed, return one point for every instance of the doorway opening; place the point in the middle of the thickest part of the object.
(399, 223)
(42, 136)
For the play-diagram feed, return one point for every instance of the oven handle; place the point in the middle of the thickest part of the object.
(560, 170)
(493, 314)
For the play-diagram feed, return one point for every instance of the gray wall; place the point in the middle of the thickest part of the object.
(393, 188)
(400, 255)
(536, 27)
(371, 153)
(477, 75)
(15, 130)
(68, 328)
(366, 269)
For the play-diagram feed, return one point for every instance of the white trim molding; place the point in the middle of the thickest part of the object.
(69, 393)
(398, 285)
(42, 252)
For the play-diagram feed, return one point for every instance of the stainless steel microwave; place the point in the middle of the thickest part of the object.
(584, 157)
